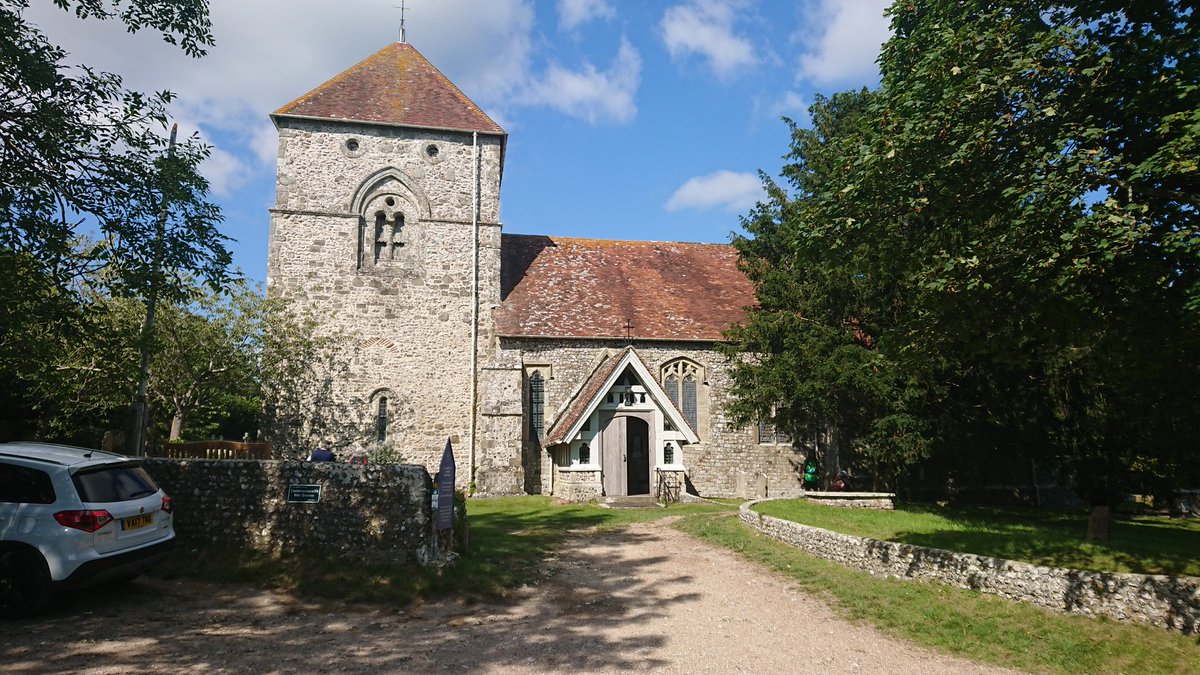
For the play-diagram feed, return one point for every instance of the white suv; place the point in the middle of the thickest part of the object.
(73, 517)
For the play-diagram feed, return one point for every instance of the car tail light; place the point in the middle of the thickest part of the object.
(88, 521)
(168, 504)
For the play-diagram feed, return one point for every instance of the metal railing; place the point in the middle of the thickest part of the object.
(216, 450)
(669, 486)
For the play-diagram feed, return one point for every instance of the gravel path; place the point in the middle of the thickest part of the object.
(643, 598)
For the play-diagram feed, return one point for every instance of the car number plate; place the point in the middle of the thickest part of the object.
(137, 521)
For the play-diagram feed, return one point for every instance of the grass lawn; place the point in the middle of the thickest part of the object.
(1142, 544)
(973, 625)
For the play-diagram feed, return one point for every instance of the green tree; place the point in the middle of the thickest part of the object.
(214, 356)
(207, 354)
(81, 154)
(1014, 215)
(83, 157)
(84, 387)
(204, 377)
(38, 317)
(808, 358)
(300, 367)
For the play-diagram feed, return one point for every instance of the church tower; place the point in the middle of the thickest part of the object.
(386, 227)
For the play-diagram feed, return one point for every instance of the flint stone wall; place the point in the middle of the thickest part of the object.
(577, 486)
(379, 512)
(881, 501)
(712, 465)
(1159, 600)
(404, 323)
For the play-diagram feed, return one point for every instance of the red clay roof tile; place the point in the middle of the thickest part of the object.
(568, 287)
(583, 399)
(395, 85)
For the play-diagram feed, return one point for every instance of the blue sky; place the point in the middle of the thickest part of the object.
(626, 120)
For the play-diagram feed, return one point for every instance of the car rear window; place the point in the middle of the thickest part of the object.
(119, 483)
(25, 485)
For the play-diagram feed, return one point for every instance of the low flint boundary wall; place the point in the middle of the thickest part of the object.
(377, 512)
(882, 501)
(1166, 601)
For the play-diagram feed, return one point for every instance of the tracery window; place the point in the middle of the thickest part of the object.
(680, 380)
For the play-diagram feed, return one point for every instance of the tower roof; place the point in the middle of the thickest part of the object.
(396, 86)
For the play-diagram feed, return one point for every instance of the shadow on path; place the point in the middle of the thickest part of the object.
(591, 587)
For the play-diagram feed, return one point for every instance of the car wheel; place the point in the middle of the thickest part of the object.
(24, 584)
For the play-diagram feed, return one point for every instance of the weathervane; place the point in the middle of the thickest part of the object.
(401, 7)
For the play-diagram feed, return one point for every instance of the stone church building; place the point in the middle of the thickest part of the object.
(582, 368)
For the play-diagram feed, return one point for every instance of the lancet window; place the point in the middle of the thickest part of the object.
(381, 420)
(537, 406)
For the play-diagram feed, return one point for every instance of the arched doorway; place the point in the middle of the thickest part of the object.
(625, 454)
(637, 452)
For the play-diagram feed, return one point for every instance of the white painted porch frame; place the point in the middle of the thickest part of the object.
(652, 387)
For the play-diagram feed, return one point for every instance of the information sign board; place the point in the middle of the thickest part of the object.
(298, 493)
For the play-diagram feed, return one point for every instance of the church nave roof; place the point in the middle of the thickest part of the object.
(598, 288)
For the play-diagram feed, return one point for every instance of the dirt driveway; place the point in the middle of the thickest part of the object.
(644, 598)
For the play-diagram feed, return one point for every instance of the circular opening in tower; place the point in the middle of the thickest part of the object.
(390, 201)
(352, 145)
(431, 150)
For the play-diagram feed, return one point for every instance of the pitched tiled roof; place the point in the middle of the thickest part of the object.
(587, 397)
(395, 85)
(592, 387)
(568, 287)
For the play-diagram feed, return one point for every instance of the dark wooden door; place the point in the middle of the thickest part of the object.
(637, 453)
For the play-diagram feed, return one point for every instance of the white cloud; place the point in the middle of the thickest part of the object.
(734, 191)
(485, 48)
(264, 143)
(268, 52)
(575, 13)
(703, 27)
(223, 171)
(591, 94)
(844, 50)
(791, 104)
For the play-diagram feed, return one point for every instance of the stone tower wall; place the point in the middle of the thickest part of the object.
(405, 323)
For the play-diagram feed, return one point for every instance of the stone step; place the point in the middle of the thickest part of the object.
(630, 502)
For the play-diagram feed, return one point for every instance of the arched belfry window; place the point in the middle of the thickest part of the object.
(681, 379)
(537, 406)
(382, 235)
(387, 235)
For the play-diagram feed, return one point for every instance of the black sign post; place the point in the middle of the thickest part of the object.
(445, 504)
